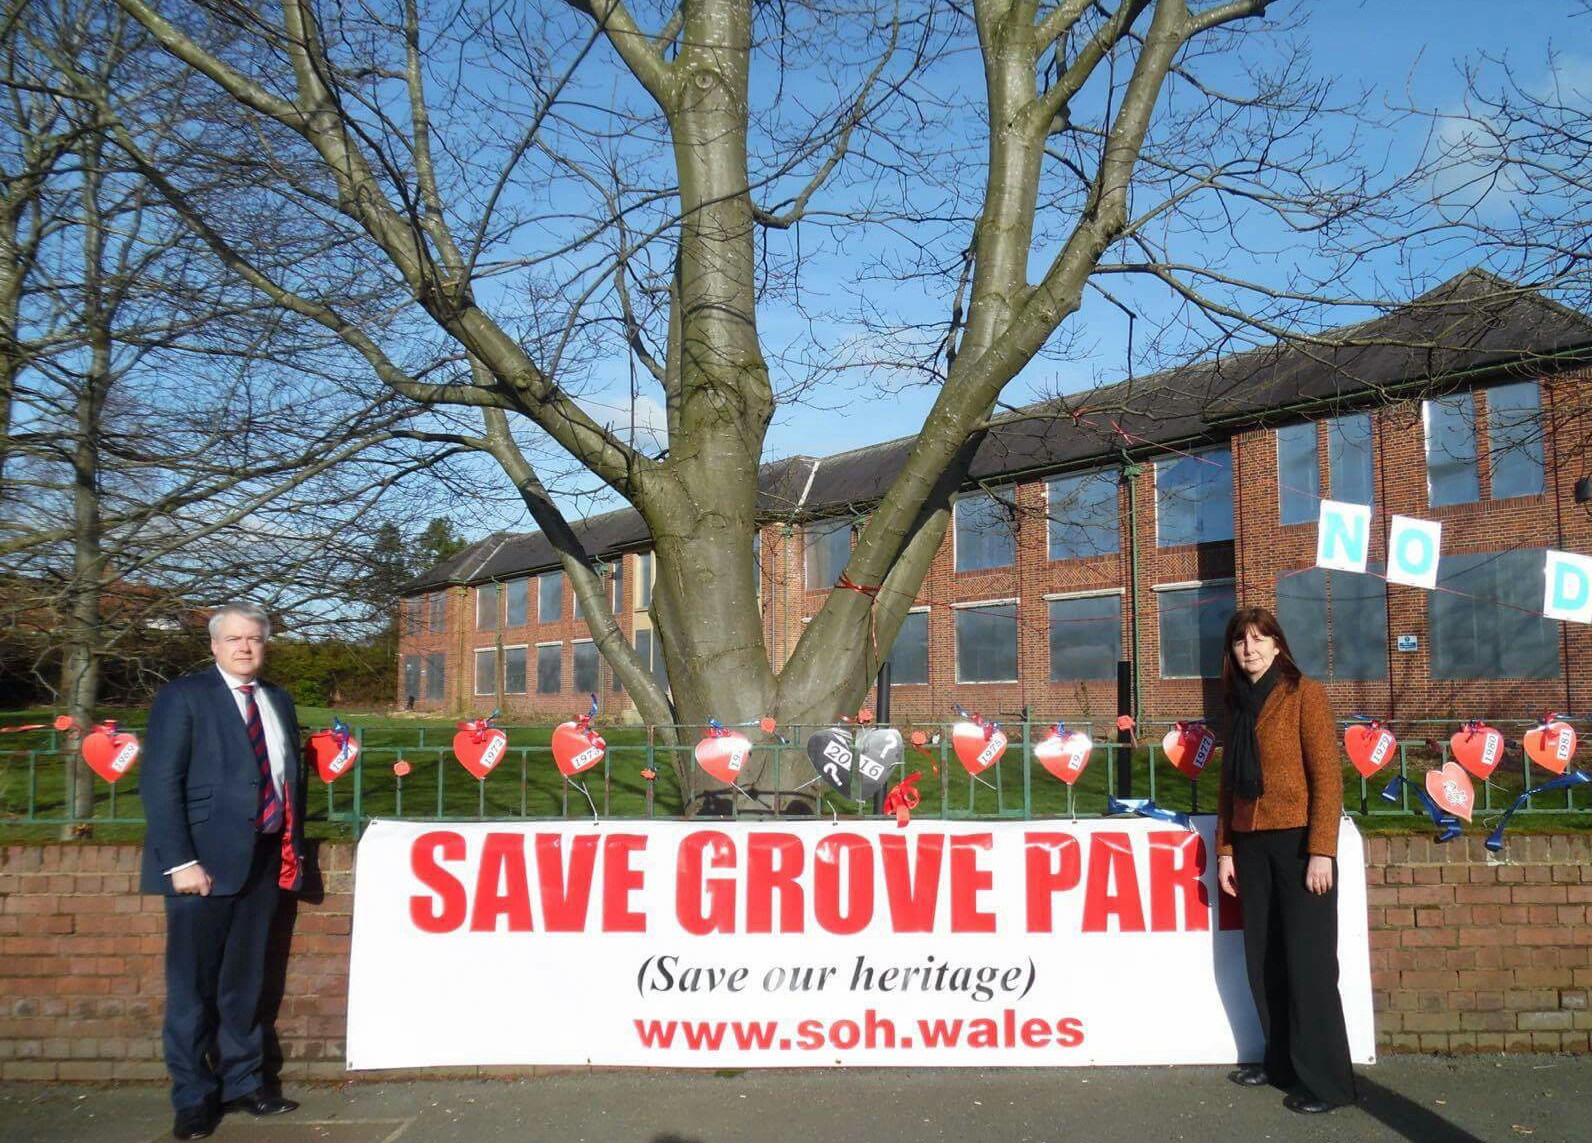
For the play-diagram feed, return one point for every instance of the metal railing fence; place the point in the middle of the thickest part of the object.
(778, 781)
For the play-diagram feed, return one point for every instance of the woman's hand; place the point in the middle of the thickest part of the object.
(1318, 874)
(1226, 875)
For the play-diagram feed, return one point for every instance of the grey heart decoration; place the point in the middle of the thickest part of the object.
(879, 754)
(831, 753)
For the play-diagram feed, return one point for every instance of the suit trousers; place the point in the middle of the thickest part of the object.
(215, 972)
(1291, 951)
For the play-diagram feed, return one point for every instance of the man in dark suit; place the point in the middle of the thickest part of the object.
(224, 800)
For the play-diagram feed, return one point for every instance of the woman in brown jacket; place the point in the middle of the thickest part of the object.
(1276, 844)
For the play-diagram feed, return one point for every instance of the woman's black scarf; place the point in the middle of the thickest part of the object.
(1241, 759)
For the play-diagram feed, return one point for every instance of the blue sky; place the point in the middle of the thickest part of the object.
(1403, 53)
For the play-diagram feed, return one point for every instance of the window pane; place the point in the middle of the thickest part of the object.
(439, 612)
(1302, 611)
(984, 534)
(1082, 513)
(514, 603)
(1451, 450)
(828, 547)
(414, 615)
(1483, 620)
(1085, 638)
(514, 670)
(549, 597)
(986, 644)
(1349, 458)
(644, 579)
(586, 667)
(549, 670)
(575, 610)
(652, 654)
(1514, 439)
(619, 585)
(411, 677)
(486, 607)
(1298, 473)
(909, 657)
(436, 672)
(1193, 622)
(486, 672)
(1359, 623)
(1194, 499)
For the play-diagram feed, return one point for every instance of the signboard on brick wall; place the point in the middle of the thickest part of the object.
(696, 944)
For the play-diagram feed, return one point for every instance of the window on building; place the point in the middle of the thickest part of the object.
(486, 681)
(826, 548)
(436, 676)
(575, 609)
(411, 677)
(1349, 458)
(549, 597)
(550, 669)
(1514, 439)
(1085, 637)
(1483, 618)
(644, 580)
(515, 607)
(486, 607)
(514, 670)
(586, 661)
(651, 653)
(986, 643)
(1194, 499)
(439, 612)
(1298, 474)
(909, 655)
(1450, 424)
(1082, 512)
(1193, 624)
(414, 613)
(1336, 622)
(986, 532)
(617, 570)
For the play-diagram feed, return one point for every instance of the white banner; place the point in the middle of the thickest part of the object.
(810, 944)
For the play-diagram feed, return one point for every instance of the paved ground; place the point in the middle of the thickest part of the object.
(1476, 1100)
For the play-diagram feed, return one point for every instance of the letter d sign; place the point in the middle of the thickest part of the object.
(1412, 548)
(1568, 592)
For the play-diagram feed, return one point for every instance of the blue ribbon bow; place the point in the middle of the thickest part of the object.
(1495, 840)
(1448, 823)
(1146, 808)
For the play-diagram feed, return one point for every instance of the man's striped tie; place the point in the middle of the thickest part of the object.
(270, 820)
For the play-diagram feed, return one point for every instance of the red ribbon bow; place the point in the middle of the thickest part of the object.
(904, 798)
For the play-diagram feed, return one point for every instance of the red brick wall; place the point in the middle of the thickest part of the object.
(1466, 956)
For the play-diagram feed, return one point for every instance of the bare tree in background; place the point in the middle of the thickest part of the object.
(556, 195)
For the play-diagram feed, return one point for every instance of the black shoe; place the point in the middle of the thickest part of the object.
(259, 1103)
(1251, 1075)
(194, 1122)
(1306, 1104)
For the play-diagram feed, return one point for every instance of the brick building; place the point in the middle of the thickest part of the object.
(1106, 537)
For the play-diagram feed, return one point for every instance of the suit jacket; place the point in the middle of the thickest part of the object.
(200, 785)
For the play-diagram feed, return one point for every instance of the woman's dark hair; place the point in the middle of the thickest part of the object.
(1264, 623)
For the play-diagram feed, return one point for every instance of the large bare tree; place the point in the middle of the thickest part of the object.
(557, 194)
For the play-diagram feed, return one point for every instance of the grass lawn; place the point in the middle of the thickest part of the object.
(527, 783)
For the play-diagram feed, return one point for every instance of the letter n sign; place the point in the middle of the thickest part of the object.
(1568, 593)
(1343, 536)
(1412, 550)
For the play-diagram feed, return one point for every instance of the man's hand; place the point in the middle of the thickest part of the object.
(194, 879)
(1226, 875)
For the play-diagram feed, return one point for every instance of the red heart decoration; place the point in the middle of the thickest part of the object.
(1450, 788)
(1479, 748)
(1189, 746)
(479, 751)
(724, 756)
(576, 749)
(332, 758)
(1369, 747)
(1064, 755)
(1551, 746)
(976, 749)
(109, 754)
